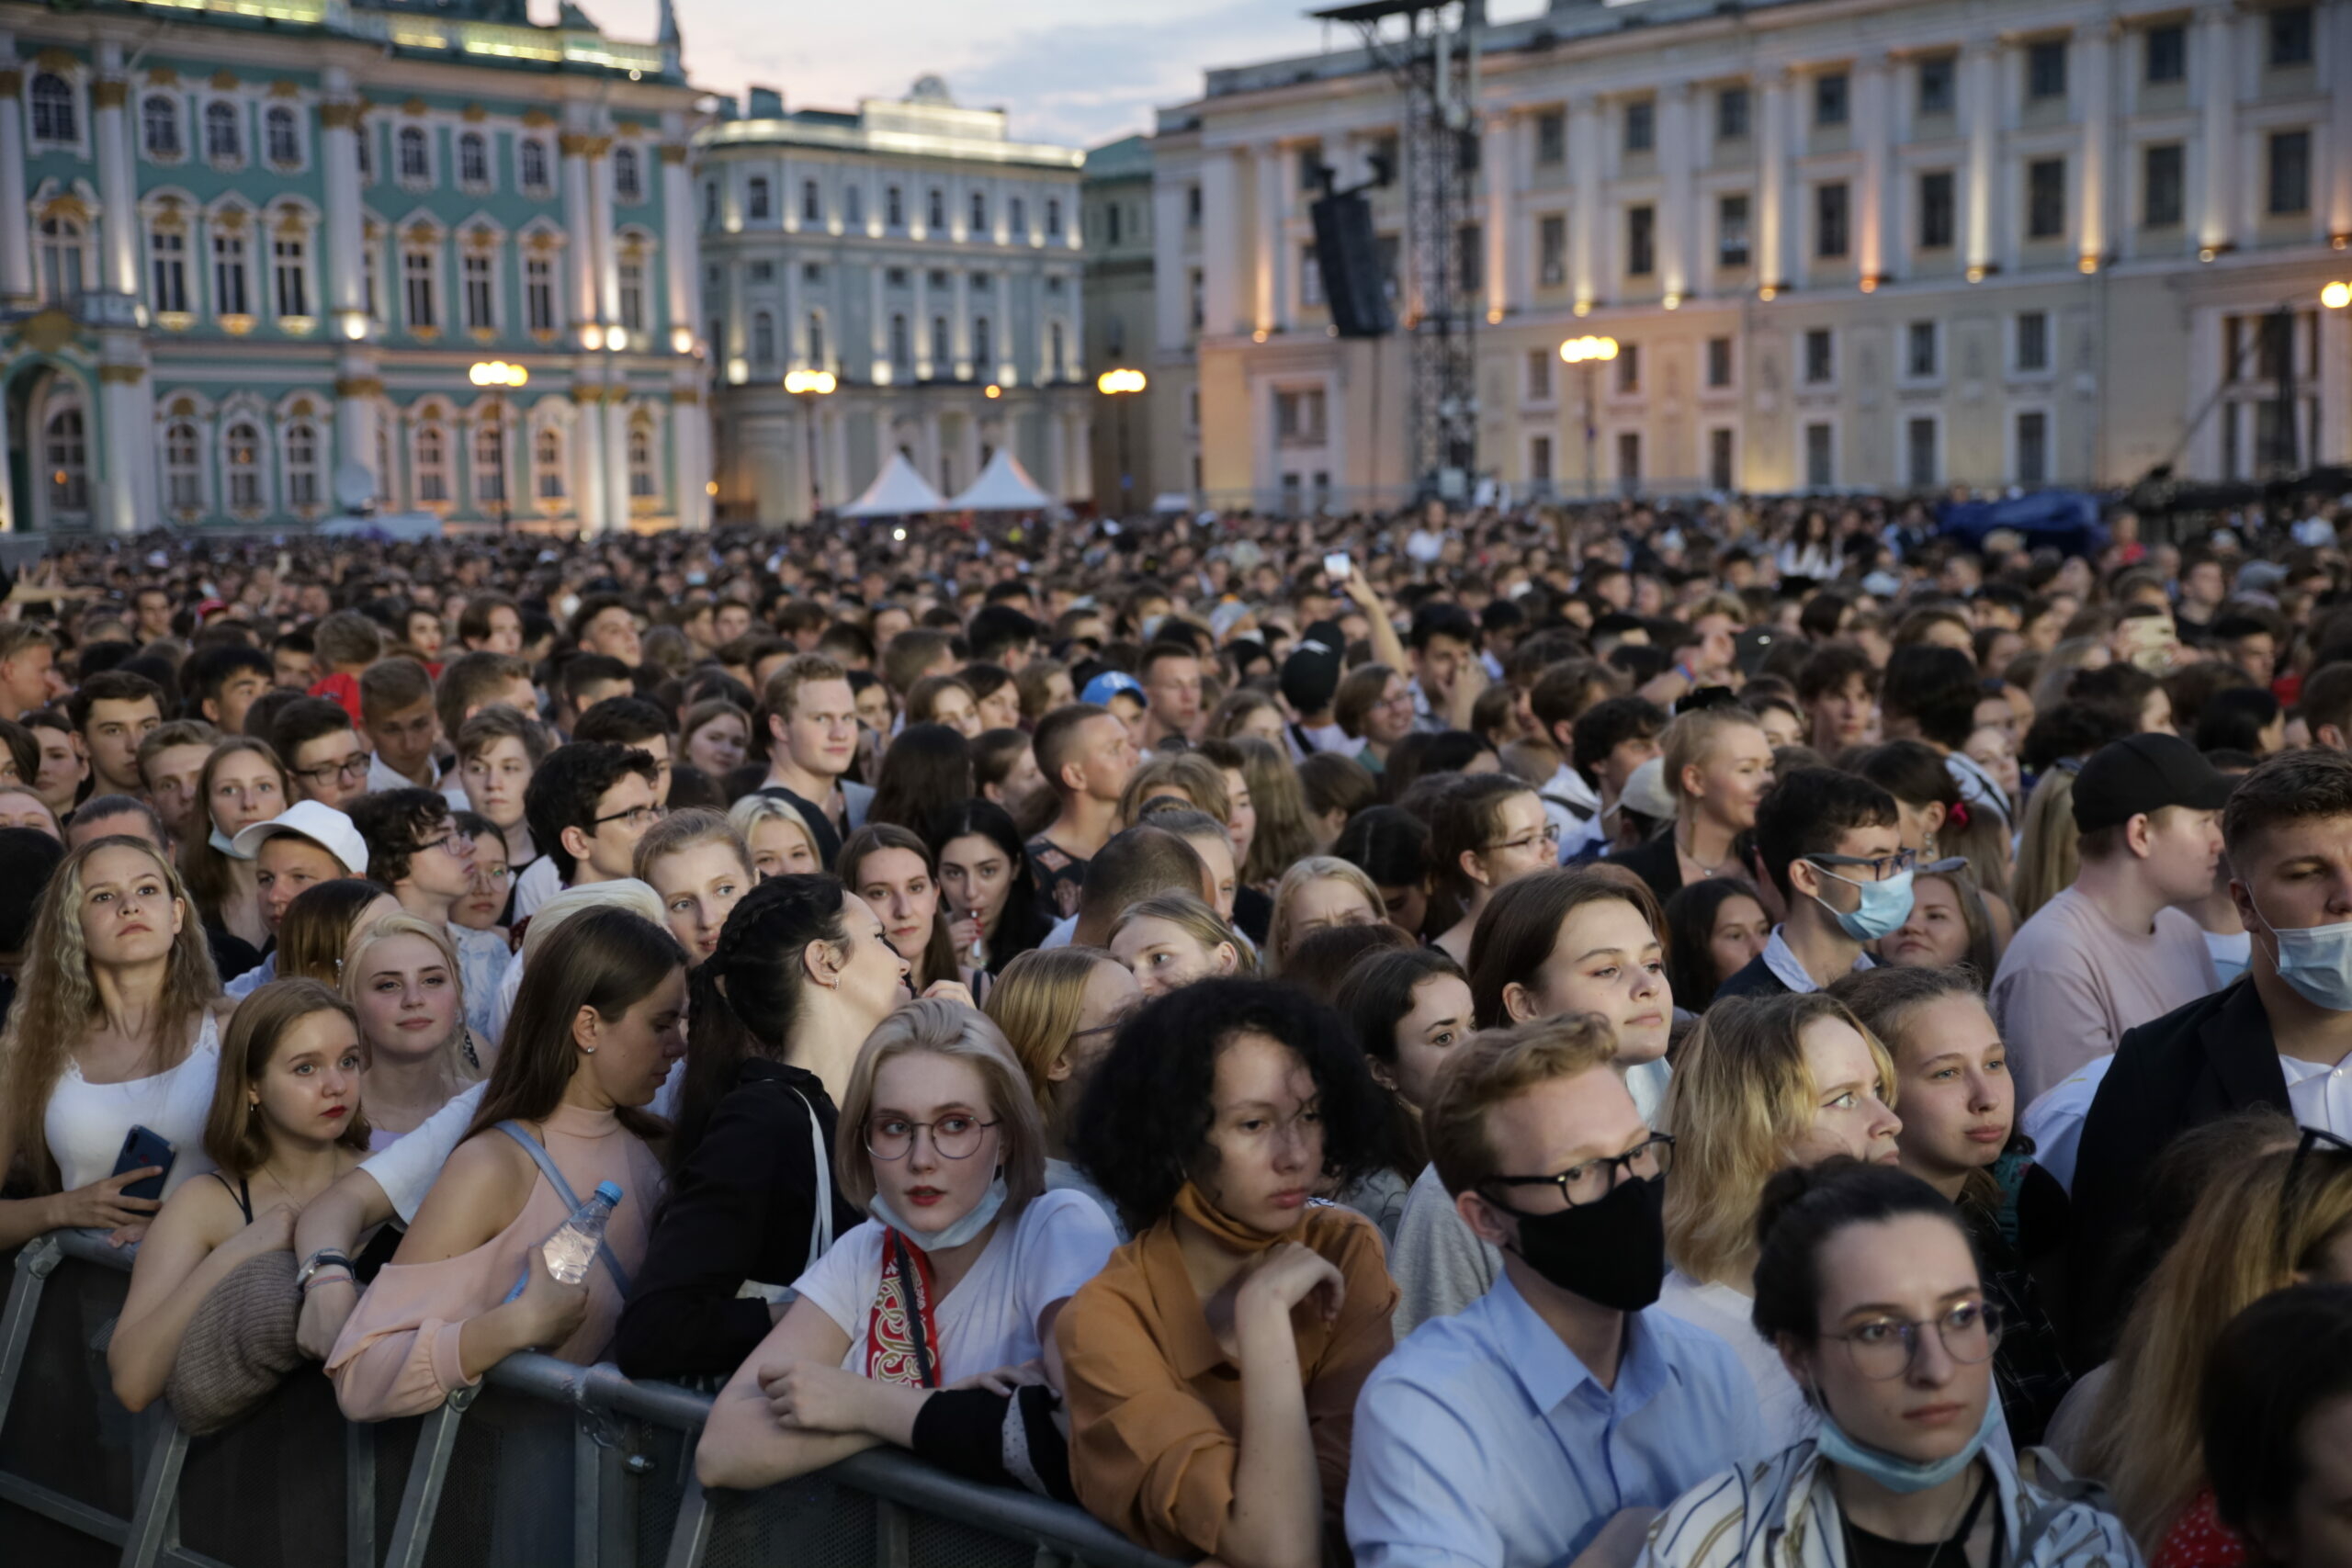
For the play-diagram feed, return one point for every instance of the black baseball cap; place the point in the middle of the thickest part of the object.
(1310, 677)
(2146, 772)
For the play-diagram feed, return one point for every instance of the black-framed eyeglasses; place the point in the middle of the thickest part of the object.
(352, 767)
(457, 844)
(639, 817)
(1547, 835)
(953, 1136)
(1879, 867)
(2293, 1193)
(1884, 1348)
(1596, 1179)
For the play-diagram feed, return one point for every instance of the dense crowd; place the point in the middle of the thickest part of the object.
(1763, 1033)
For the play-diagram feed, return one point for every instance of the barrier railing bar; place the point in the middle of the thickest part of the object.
(690, 1537)
(359, 1494)
(84, 1519)
(413, 1530)
(154, 1517)
(892, 1545)
(35, 1263)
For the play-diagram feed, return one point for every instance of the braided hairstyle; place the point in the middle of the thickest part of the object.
(746, 995)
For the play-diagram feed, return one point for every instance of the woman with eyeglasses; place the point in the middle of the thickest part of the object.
(1374, 707)
(483, 909)
(1490, 830)
(958, 1277)
(1869, 1295)
(416, 849)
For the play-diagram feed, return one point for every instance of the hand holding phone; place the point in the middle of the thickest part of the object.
(1337, 567)
(145, 1150)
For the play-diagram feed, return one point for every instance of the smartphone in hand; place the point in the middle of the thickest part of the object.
(1337, 567)
(139, 1149)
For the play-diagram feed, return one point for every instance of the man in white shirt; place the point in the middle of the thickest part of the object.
(588, 804)
(397, 716)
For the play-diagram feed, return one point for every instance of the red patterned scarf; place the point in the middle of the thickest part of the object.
(901, 1338)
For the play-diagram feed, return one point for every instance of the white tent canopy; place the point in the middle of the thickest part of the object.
(1003, 487)
(897, 492)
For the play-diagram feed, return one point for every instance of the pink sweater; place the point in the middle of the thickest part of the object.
(398, 1354)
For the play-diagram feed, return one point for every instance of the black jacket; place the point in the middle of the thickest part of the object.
(741, 1208)
(1753, 978)
(2195, 1064)
(1654, 862)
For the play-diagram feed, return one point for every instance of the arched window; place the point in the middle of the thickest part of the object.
(301, 466)
(289, 277)
(640, 460)
(983, 346)
(628, 181)
(65, 458)
(413, 163)
(547, 461)
(631, 273)
(755, 198)
(763, 338)
(942, 347)
(816, 341)
(490, 461)
(473, 159)
(534, 163)
(63, 241)
(431, 464)
(167, 269)
(222, 141)
(230, 295)
(284, 145)
(244, 467)
(183, 466)
(159, 126)
(54, 118)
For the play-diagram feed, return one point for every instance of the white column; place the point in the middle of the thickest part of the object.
(1074, 360)
(1056, 455)
(1006, 366)
(357, 388)
(127, 494)
(962, 327)
(1772, 234)
(1172, 298)
(1874, 120)
(2334, 443)
(679, 250)
(118, 189)
(599, 215)
(931, 450)
(919, 328)
(579, 231)
(1584, 200)
(588, 458)
(689, 449)
(789, 346)
(1981, 65)
(346, 229)
(15, 233)
(2093, 52)
(2217, 223)
(1506, 246)
(1220, 244)
(836, 435)
(1266, 234)
(615, 416)
(1677, 228)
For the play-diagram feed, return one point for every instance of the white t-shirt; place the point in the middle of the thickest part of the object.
(539, 882)
(2054, 1121)
(85, 1123)
(989, 1319)
(2321, 1095)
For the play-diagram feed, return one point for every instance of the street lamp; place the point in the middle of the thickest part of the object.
(808, 386)
(1588, 352)
(1118, 386)
(496, 375)
(2337, 296)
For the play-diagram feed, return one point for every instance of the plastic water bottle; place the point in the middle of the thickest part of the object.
(573, 1245)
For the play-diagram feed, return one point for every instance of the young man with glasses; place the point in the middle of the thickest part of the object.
(415, 848)
(1551, 1419)
(2113, 950)
(1832, 843)
(323, 752)
(588, 804)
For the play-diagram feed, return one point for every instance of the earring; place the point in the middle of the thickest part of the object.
(587, 1049)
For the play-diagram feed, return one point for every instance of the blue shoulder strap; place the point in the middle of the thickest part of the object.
(545, 1162)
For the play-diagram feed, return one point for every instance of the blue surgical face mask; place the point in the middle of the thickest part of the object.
(1885, 907)
(226, 845)
(1891, 1471)
(957, 1232)
(2316, 961)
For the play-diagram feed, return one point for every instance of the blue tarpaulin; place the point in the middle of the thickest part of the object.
(2066, 519)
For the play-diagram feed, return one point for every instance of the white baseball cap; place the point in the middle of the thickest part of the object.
(314, 820)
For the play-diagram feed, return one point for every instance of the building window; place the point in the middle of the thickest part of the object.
(1820, 360)
(935, 211)
(2162, 171)
(1641, 126)
(1919, 356)
(1935, 216)
(762, 339)
(1731, 114)
(1192, 207)
(2291, 172)
(817, 339)
(1551, 139)
(628, 175)
(942, 345)
(1629, 460)
(2045, 200)
(2289, 28)
(1629, 368)
(1053, 221)
(416, 289)
(538, 294)
(476, 267)
(1299, 418)
(755, 198)
(1829, 99)
(640, 461)
(288, 274)
(1829, 221)
(531, 161)
(1919, 452)
(167, 269)
(1057, 352)
(489, 461)
(301, 466)
(902, 351)
(159, 126)
(632, 290)
(1538, 460)
(230, 296)
(243, 467)
(894, 208)
(1731, 230)
(473, 159)
(980, 213)
(183, 466)
(1820, 464)
(2168, 54)
(1938, 86)
(363, 144)
(854, 207)
(2033, 340)
(368, 279)
(2045, 70)
(2034, 447)
(1310, 278)
(1110, 224)
(1641, 240)
(1718, 362)
(812, 202)
(1016, 217)
(65, 455)
(62, 241)
(1552, 250)
(1470, 259)
(432, 463)
(547, 462)
(1539, 374)
(983, 346)
(222, 141)
(414, 165)
(283, 142)
(54, 117)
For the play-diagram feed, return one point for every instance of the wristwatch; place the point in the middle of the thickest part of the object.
(325, 1257)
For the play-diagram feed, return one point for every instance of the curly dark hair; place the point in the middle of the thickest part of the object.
(1146, 1114)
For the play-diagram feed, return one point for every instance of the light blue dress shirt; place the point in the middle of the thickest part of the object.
(1483, 1440)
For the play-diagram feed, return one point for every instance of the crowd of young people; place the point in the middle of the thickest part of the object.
(1521, 1038)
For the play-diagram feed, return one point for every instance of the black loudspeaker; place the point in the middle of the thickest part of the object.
(1349, 257)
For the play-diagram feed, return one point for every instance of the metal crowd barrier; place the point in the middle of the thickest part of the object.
(545, 1462)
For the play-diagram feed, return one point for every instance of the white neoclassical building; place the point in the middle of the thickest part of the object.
(929, 264)
(1841, 242)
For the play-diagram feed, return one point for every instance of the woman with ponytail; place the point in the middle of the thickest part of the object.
(799, 977)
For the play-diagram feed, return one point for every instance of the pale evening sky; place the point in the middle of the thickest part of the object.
(1078, 72)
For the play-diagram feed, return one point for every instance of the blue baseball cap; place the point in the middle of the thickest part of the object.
(1108, 684)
